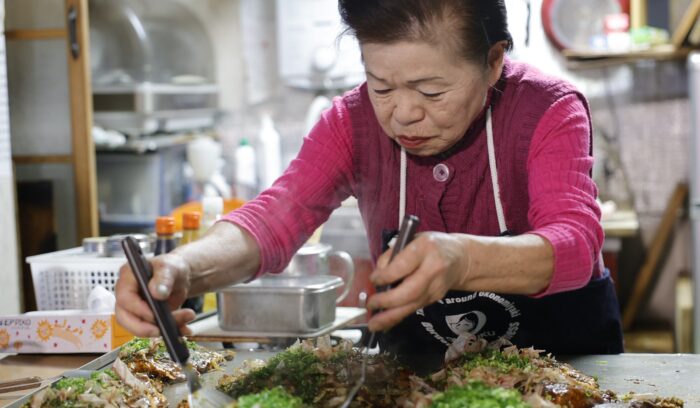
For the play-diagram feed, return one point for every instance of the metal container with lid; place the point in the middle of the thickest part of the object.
(95, 245)
(113, 244)
(279, 304)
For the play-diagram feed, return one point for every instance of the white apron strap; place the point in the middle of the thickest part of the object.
(494, 175)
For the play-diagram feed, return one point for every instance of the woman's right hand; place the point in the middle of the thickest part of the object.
(170, 282)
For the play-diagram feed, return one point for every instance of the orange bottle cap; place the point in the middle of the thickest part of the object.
(165, 225)
(191, 220)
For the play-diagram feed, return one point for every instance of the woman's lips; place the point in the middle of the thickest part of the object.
(412, 142)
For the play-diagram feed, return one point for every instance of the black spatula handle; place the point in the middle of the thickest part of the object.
(164, 318)
(409, 225)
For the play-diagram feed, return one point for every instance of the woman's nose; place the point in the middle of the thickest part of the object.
(408, 111)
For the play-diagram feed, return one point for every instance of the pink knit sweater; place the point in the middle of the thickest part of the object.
(560, 194)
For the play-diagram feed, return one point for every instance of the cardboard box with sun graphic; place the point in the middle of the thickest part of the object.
(63, 331)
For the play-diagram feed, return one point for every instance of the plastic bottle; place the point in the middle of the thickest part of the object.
(246, 173)
(165, 235)
(212, 209)
(271, 151)
(191, 223)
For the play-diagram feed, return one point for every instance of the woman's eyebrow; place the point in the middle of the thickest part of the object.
(375, 77)
(427, 79)
(412, 81)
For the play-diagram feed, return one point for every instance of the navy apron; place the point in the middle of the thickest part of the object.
(582, 321)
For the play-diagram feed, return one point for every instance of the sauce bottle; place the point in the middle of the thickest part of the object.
(165, 235)
(165, 242)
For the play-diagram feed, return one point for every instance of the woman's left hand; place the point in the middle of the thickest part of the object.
(432, 264)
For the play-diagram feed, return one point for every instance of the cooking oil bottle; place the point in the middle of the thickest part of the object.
(190, 227)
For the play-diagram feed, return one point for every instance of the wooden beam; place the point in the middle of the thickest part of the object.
(39, 34)
(60, 159)
(81, 117)
(690, 18)
(652, 265)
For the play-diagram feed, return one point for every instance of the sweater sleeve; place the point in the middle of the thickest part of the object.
(563, 207)
(285, 215)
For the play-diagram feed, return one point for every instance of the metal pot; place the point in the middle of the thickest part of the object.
(317, 259)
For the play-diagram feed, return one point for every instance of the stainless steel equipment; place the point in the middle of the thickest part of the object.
(279, 304)
(665, 375)
(152, 67)
(95, 245)
(661, 374)
(208, 329)
(315, 260)
(694, 91)
(113, 244)
(135, 187)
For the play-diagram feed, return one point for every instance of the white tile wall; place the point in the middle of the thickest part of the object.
(9, 272)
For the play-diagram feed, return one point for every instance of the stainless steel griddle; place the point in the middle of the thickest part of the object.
(665, 375)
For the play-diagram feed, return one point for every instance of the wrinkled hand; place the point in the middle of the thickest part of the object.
(170, 282)
(430, 265)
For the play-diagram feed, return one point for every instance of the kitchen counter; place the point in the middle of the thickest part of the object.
(665, 375)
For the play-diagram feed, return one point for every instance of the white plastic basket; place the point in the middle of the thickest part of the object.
(63, 280)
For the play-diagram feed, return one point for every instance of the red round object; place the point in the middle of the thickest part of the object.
(571, 24)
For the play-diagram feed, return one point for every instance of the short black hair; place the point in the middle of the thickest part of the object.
(475, 25)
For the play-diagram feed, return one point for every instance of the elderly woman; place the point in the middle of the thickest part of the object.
(492, 155)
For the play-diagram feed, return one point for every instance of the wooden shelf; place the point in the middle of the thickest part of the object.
(686, 33)
(36, 34)
(621, 224)
(577, 59)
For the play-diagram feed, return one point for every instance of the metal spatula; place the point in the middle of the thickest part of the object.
(179, 353)
(409, 225)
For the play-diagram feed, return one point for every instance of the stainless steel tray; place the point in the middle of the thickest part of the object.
(303, 304)
(208, 329)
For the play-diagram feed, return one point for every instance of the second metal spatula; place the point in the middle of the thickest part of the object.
(409, 225)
